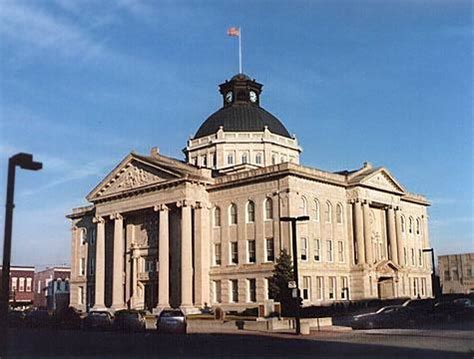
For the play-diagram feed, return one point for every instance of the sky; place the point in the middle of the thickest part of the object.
(83, 83)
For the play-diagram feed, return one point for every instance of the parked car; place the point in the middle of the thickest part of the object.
(394, 316)
(171, 320)
(16, 318)
(421, 307)
(98, 320)
(38, 318)
(129, 320)
(455, 309)
(68, 318)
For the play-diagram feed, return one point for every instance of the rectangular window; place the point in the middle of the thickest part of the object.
(251, 251)
(92, 266)
(270, 248)
(455, 275)
(329, 249)
(149, 265)
(234, 253)
(217, 254)
(344, 288)
(217, 291)
(423, 286)
(320, 287)
(405, 256)
(412, 257)
(14, 284)
(252, 285)
(268, 291)
(80, 296)
(21, 284)
(420, 258)
(332, 287)
(82, 266)
(93, 233)
(306, 288)
(230, 159)
(38, 289)
(317, 250)
(234, 290)
(415, 287)
(28, 284)
(340, 251)
(304, 249)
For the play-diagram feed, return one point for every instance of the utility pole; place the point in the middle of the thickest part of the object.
(294, 241)
(24, 161)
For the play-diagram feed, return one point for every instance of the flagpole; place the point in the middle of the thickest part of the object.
(240, 50)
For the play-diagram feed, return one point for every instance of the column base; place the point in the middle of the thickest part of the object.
(157, 310)
(189, 309)
(117, 307)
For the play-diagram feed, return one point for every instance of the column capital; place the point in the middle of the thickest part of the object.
(185, 203)
(74, 228)
(98, 219)
(203, 205)
(116, 215)
(365, 202)
(160, 207)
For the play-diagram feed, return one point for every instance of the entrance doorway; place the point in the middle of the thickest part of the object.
(150, 296)
(386, 288)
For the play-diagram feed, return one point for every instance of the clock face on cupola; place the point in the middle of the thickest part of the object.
(241, 89)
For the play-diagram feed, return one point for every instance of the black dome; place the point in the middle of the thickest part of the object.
(242, 118)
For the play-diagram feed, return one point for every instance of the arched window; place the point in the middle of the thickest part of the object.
(268, 209)
(418, 226)
(258, 159)
(316, 210)
(233, 214)
(82, 236)
(328, 212)
(250, 211)
(244, 158)
(339, 213)
(304, 205)
(410, 225)
(217, 217)
(402, 222)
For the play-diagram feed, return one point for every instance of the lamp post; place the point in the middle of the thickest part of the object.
(294, 237)
(434, 286)
(24, 161)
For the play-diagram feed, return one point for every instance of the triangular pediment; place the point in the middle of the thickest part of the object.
(132, 173)
(383, 180)
(386, 266)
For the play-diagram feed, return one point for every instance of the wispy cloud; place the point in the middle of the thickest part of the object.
(33, 27)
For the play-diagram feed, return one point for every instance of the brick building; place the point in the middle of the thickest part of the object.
(456, 273)
(42, 280)
(21, 284)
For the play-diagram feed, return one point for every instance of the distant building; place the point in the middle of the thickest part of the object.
(21, 284)
(44, 278)
(456, 272)
(57, 294)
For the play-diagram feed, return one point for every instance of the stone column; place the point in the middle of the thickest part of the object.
(401, 262)
(392, 235)
(186, 256)
(99, 302)
(369, 258)
(117, 282)
(201, 255)
(134, 256)
(163, 258)
(359, 231)
(129, 233)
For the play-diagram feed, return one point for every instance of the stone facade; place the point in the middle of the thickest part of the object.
(456, 273)
(162, 232)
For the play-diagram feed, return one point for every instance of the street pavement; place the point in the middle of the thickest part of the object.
(234, 343)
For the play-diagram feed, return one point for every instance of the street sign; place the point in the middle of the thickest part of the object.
(292, 284)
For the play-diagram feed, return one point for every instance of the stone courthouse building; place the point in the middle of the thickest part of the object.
(163, 232)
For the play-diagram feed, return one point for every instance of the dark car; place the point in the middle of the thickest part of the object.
(68, 318)
(129, 321)
(461, 309)
(98, 320)
(16, 319)
(38, 318)
(421, 307)
(171, 321)
(394, 316)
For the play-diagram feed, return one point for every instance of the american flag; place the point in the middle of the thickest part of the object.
(233, 31)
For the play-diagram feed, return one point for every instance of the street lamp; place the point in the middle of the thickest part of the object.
(293, 221)
(434, 286)
(24, 161)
